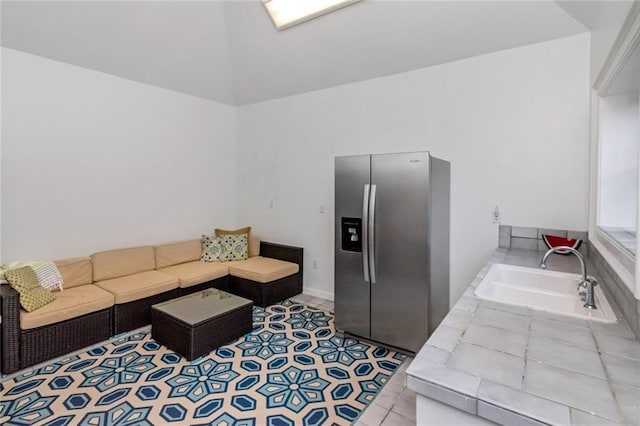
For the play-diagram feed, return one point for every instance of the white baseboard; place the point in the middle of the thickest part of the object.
(318, 293)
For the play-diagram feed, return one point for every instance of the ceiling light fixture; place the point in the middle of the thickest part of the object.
(287, 13)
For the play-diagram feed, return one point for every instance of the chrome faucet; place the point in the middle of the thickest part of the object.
(586, 285)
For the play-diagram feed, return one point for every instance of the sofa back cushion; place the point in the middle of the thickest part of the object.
(220, 232)
(170, 254)
(254, 246)
(75, 271)
(119, 263)
(254, 242)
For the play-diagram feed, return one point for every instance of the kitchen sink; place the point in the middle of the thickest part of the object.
(543, 290)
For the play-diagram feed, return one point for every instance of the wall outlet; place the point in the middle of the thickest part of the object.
(321, 208)
(270, 204)
(495, 216)
(315, 264)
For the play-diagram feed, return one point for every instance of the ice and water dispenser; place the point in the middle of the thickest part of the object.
(352, 234)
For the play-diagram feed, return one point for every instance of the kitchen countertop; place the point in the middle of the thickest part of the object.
(514, 365)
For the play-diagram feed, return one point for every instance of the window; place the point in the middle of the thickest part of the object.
(616, 156)
(287, 13)
(618, 169)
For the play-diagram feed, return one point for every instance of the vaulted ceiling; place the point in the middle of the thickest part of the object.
(230, 52)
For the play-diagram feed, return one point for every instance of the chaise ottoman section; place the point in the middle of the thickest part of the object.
(269, 278)
(129, 275)
(262, 269)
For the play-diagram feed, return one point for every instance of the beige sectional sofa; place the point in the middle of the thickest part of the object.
(112, 291)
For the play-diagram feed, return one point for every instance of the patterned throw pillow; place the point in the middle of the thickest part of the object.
(25, 282)
(47, 272)
(237, 246)
(213, 250)
(221, 232)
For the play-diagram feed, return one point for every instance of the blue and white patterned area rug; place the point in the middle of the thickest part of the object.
(290, 370)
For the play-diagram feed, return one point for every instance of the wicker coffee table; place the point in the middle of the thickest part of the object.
(198, 323)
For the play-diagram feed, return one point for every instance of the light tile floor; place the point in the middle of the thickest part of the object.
(395, 405)
(314, 302)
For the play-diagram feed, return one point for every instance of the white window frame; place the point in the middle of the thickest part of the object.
(621, 260)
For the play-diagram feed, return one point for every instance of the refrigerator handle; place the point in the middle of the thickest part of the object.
(365, 222)
(371, 234)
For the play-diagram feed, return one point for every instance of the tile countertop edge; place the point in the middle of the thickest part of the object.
(421, 376)
(429, 376)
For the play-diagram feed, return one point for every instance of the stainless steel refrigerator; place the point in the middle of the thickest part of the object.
(391, 247)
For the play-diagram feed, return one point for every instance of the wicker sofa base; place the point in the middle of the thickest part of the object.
(24, 348)
(51, 341)
(195, 341)
(136, 314)
(265, 294)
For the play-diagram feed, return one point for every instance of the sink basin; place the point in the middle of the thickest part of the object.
(543, 290)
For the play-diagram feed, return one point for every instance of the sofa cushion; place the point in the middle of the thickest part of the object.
(138, 286)
(119, 263)
(220, 232)
(197, 272)
(71, 303)
(75, 271)
(174, 253)
(262, 269)
(25, 282)
(254, 246)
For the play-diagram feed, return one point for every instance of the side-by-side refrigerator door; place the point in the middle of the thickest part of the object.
(352, 298)
(400, 249)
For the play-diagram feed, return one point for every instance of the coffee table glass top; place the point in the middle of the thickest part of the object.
(201, 306)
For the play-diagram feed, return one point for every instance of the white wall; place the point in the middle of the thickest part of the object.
(1, 137)
(618, 177)
(513, 124)
(92, 161)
